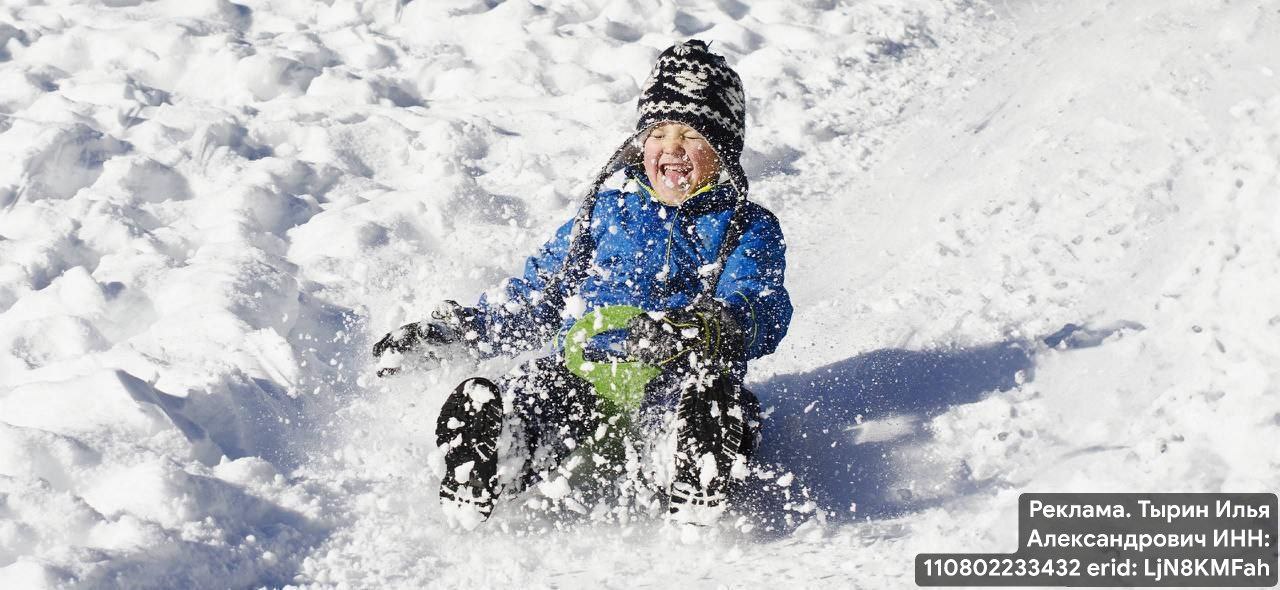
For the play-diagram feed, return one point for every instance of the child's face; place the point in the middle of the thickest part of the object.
(678, 161)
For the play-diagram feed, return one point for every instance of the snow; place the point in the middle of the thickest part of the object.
(480, 394)
(210, 210)
(463, 471)
(555, 488)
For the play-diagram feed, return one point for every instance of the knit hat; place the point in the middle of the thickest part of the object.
(693, 86)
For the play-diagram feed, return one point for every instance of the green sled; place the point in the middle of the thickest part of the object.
(619, 383)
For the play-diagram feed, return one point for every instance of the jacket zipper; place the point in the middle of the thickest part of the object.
(666, 265)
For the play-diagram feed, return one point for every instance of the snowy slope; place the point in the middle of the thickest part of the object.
(208, 209)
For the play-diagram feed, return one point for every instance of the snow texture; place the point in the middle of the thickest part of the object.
(209, 210)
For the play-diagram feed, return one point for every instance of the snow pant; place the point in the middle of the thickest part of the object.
(558, 410)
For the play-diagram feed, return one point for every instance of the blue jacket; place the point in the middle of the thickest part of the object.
(648, 255)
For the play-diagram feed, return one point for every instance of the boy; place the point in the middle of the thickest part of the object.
(684, 245)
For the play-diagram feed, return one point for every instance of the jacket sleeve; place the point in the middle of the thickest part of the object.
(751, 285)
(518, 315)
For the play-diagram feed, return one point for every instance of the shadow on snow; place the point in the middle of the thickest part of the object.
(842, 429)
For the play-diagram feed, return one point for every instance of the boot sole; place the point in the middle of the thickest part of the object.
(469, 425)
(711, 422)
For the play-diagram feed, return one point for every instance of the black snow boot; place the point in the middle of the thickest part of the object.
(715, 434)
(468, 429)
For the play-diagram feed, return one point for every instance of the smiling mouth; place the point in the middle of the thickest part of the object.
(676, 174)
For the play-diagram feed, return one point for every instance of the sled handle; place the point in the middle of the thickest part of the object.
(619, 382)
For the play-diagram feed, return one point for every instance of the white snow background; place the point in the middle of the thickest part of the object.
(208, 211)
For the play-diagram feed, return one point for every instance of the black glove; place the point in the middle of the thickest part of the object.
(702, 335)
(449, 325)
(409, 336)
